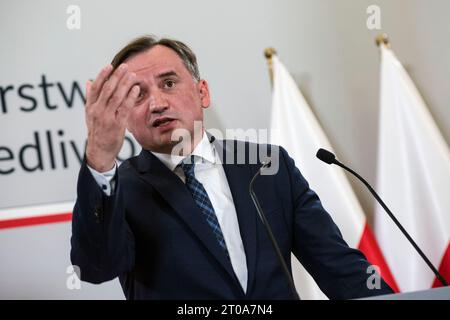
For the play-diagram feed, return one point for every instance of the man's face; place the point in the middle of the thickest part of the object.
(169, 98)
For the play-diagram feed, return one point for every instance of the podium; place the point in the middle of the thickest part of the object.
(431, 294)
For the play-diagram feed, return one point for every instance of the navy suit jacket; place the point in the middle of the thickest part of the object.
(151, 234)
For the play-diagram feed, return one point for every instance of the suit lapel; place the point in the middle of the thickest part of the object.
(239, 176)
(176, 194)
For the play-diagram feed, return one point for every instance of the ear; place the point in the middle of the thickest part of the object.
(203, 89)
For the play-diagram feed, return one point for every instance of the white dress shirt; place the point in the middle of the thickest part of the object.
(209, 172)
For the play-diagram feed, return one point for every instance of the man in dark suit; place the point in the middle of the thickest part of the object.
(177, 221)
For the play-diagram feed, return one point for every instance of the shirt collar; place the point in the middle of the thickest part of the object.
(204, 150)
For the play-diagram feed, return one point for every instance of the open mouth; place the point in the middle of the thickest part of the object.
(162, 122)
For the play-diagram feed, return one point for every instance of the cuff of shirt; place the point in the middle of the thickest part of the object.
(105, 180)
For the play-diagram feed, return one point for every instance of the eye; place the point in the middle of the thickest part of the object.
(169, 84)
(141, 96)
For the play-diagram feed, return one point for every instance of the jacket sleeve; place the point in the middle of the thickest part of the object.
(102, 242)
(340, 271)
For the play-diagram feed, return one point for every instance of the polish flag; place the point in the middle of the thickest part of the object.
(294, 126)
(413, 179)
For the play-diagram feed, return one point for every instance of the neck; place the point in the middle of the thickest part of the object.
(184, 147)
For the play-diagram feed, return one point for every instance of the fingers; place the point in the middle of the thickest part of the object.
(94, 88)
(110, 86)
(88, 92)
(122, 91)
(129, 102)
(111, 96)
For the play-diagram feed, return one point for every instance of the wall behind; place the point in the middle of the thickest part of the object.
(325, 44)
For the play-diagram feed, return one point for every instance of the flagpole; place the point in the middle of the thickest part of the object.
(382, 39)
(269, 53)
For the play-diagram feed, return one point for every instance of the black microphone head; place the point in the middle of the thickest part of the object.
(325, 156)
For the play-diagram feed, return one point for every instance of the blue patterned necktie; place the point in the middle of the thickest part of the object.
(202, 200)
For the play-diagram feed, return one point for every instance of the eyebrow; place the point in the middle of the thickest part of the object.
(167, 74)
(160, 76)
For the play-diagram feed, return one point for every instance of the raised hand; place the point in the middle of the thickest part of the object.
(109, 99)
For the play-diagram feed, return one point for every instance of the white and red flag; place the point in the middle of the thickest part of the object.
(413, 178)
(295, 127)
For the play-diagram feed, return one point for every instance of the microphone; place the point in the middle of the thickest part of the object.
(328, 157)
(269, 230)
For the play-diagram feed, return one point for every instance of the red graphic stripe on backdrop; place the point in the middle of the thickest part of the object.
(30, 221)
(369, 246)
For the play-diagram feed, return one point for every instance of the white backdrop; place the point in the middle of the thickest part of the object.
(325, 44)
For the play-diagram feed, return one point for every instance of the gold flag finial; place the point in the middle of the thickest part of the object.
(269, 53)
(382, 39)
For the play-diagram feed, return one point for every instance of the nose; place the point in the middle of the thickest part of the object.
(157, 102)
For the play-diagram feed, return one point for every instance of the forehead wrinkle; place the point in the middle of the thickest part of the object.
(169, 72)
(170, 66)
(143, 68)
